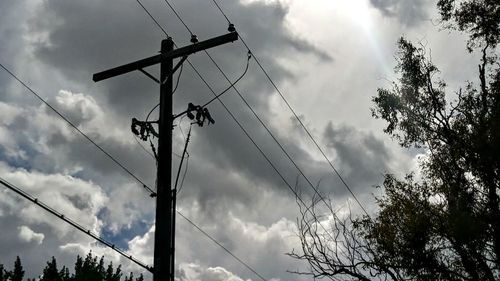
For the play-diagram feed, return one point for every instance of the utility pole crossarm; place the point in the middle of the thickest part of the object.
(181, 52)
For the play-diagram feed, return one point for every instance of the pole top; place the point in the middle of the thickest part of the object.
(167, 44)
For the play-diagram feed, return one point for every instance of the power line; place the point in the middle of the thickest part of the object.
(234, 118)
(178, 79)
(295, 114)
(232, 85)
(224, 14)
(224, 248)
(153, 18)
(246, 134)
(250, 137)
(95, 236)
(176, 14)
(182, 160)
(152, 193)
(217, 96)
(186, 167)
(143, 148)
(72, 223)
(270, 132)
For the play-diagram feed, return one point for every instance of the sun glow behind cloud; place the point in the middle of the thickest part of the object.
(361, 14)
(349, 32)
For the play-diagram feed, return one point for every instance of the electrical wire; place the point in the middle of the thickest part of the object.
(173, 91)
(224, 14)
(263, 124)
(151, 111)
(143, 148)
(71, 222)
(192, 223)
(152, 193)
(246, 133)
(222, 246)
(296, 115)
(217, 96)
(184, 174)
(153, 18)
(182, 159)
(232, 84)
(176, 14)
(178, 79)
(273, 166)
(272, 135)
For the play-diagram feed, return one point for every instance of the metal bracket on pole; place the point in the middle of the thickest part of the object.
(175, 68)
(149, 75)
(172, 73)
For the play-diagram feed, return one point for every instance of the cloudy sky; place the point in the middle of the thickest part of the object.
(328, 57)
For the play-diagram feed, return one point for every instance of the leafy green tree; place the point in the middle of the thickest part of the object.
(445, 224)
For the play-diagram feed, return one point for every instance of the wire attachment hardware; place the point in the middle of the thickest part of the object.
(143, 129)
(194, 39)
(201, 114)
(231, 28)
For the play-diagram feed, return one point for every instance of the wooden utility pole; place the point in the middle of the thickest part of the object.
(164, 247)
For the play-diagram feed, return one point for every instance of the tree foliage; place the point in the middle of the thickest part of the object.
(89, 269)
(445, 223)
(16, 274)
(479, 18)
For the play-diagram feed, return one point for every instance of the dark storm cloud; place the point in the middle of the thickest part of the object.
(84, 37)
(362, 158)
(408, 12)
(10, 12)
(87, 36)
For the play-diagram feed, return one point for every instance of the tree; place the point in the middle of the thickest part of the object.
(131, 277)
(91, 269)
(18, 273)
(445, 224)
(112, 275)
(51, 273)
(88, 269)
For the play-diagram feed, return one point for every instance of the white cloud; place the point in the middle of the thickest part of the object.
(28, 235)
(195, 272)
(73, 197)
(219, 274)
